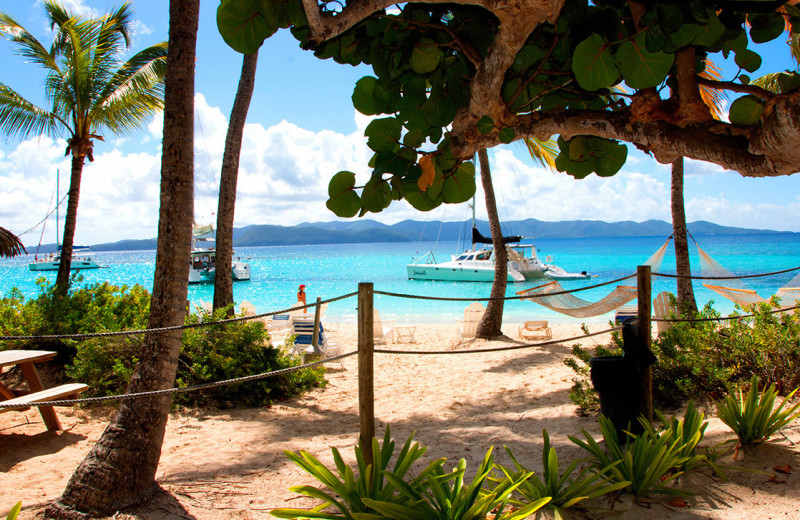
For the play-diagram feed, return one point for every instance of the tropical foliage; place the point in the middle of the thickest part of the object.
(754, 418)
(88, 88)
(450, 79)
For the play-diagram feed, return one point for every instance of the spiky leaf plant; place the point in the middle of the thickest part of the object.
(566, 489)
(754, 418)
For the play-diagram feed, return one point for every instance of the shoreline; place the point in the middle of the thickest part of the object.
(458, 406)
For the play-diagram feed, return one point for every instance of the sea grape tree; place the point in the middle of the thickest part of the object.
(454, 77)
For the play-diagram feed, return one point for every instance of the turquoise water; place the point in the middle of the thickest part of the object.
(333, 270)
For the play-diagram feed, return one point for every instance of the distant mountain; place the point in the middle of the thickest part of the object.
(368, 231)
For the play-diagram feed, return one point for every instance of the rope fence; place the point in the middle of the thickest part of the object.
(692, 277)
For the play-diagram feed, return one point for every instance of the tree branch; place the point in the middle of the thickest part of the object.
(737, 87)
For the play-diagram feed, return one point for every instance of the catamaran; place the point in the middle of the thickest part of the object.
(203, 257)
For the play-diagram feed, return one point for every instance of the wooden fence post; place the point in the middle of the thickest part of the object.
(366, 386)
(645, 334)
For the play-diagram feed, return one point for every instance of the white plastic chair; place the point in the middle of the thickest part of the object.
(468, 327)
(379, 333)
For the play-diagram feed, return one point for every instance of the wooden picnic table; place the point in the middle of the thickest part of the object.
(26, 360)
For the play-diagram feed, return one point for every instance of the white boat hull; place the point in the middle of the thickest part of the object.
(240, 271)
(74, 265)
(461, 272)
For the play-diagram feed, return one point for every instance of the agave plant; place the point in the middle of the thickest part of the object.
(754, 418)
(648, 462)
(566, 489)
(345, 488)
(440, 495)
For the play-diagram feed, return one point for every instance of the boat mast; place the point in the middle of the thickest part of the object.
(58, 244)
(474, 195)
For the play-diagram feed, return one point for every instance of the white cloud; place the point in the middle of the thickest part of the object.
(722, 211)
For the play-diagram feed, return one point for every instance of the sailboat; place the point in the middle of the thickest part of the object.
(203, 257)
(53, 261)
(477, 265)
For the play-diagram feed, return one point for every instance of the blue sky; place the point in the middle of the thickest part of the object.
(302, 129)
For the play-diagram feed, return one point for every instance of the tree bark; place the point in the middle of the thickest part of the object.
(70, 220)
(492, 321)
(120, 469)
(223, 279)
(686, 301)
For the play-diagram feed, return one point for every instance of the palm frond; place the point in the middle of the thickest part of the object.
(10, 244)
(714, 98)
(19, 117)
(27, 45)
(543, 152)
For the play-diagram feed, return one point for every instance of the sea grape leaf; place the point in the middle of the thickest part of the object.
(746, 111)
(593, 64)
(612, 158)
(748, 60)
(709, 32)
(428, 172)
(460, 186)
(765, 27)
(343, 201)
(363, 96)
(425, 57)
(507, 135)
(526, 57)
(641, 68)
(439, 111)
(376, 195)
(245, 24)
(383, 135)
(485, 124)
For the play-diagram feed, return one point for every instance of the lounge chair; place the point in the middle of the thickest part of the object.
(303, 331)
(663, 308)
(625, 312)
(469, 326)
(278, 323)
(379, 333)
(535, 330)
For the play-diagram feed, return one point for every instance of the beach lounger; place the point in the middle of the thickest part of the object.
(303, 331)
(625, 312)
(247, 308)
(535, 330)
(381, 334)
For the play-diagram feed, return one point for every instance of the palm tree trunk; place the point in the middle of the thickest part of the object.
(62, 278)
(120, 469)
(223, 279)
(492, 321)
(686, 299)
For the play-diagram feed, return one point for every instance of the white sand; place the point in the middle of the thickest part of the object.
(229, 464)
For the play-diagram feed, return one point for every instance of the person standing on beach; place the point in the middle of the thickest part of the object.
(301, 296)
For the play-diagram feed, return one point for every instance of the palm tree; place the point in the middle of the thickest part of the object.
(223, 279)
(120, 469)
(9, 244)
(89, 90)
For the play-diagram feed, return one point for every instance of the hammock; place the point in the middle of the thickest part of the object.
(571, 305)
(735, 289)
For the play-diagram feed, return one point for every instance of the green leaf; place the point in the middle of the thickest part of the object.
(748, 60)
(485, 124)
(245, 24)
(439, 111)
(593, 64)
(363, 95)
(507, 135)
(744, 79)
(414, 138)
(746, 111)
(383, 135)
(765, 27)
(425, 57)
(376, 195)
(460, 187)
(343, 200)
(710, 32)
(526, 57)
(788, 81)
(612, 160)
(641, 68)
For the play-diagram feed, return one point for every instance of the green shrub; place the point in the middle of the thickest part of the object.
(582, 393)
(754, 419)
(105, 364)
(703, 358)
(219, 352)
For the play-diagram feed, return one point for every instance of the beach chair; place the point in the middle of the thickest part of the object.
(204, 306)
(379, 333)
(303, 332)
(468, 327)
(278, 323)
(535, 330)
(625, 312)
(663, 308)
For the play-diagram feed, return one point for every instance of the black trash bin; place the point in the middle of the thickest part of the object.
(618, 383)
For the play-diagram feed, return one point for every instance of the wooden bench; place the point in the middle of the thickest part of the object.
(67, 391)
(535, 329)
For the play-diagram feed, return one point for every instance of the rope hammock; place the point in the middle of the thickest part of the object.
(571, 305)
(736, 290)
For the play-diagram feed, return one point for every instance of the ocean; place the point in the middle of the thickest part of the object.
(329, 271)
